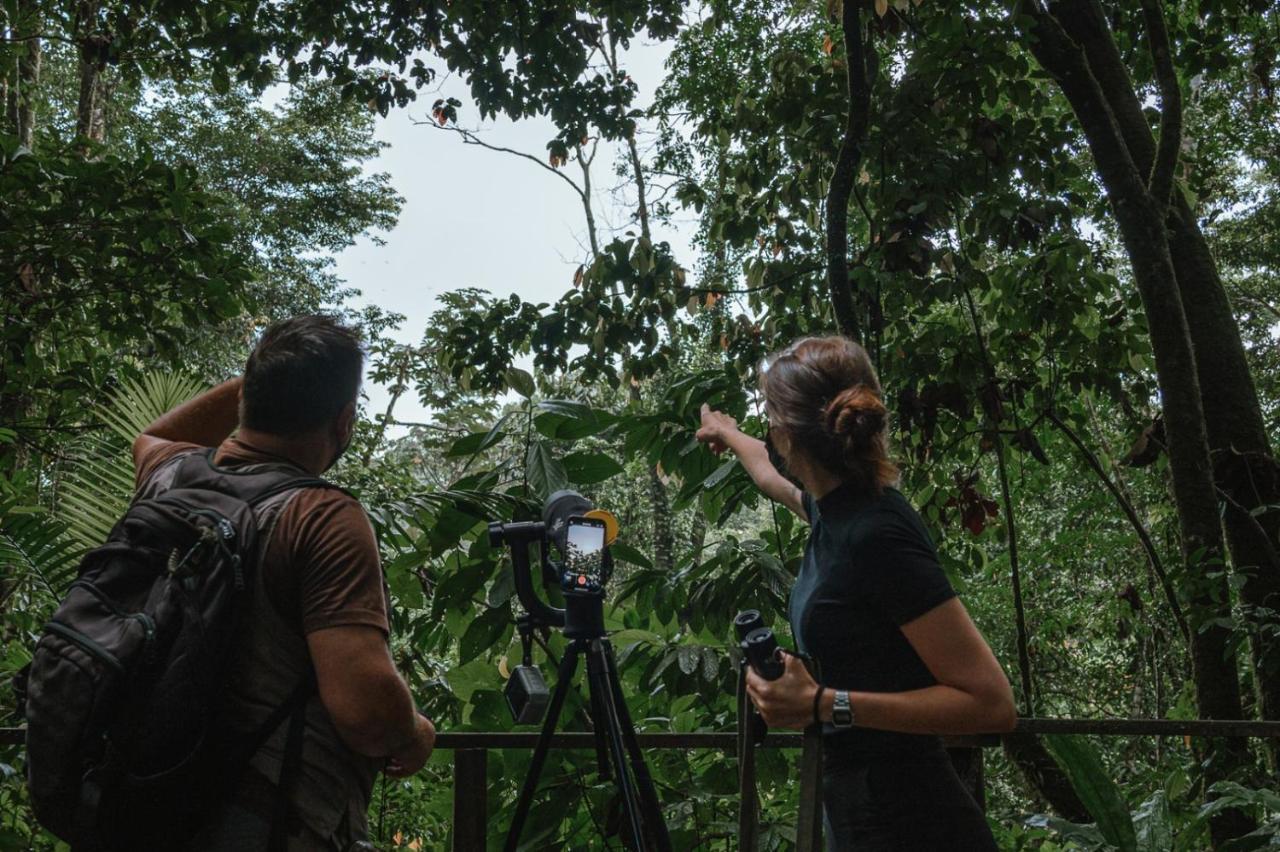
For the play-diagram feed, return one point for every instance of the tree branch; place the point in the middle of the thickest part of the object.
(470, 138)
(1148, 545)
(768, 285)
(1166, 162)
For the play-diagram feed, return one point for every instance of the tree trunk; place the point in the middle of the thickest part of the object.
(106, 85)
(85, 106)
(845, 173)
(90, 65)
(5, 71)
(1140, 216)
(27, 77)
(664, 557)
(1244, 467)
(28, 83)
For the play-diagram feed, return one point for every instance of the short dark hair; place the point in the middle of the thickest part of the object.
(301, 374)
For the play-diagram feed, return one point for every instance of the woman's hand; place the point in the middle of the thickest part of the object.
(715, 429)
(788, 701)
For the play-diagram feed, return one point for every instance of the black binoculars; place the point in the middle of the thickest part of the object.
(759, 645)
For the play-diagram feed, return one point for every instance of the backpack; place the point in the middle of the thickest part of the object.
(123, 692)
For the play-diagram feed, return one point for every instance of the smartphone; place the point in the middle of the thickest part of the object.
(584, 554)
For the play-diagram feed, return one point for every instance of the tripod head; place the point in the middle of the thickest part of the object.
(580, 534)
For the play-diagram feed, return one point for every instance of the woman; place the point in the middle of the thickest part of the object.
(900, 660)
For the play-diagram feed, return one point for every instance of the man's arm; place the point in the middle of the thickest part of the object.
(206, 420)
(366, 698)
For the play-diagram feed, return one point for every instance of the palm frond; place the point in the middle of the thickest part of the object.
(37, 556)
(100, 485)
(97, 491)
(138, 402)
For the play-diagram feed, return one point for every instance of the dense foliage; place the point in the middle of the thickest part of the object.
(1058, 423)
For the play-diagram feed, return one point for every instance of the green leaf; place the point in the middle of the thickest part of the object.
(586, 468)
(627, 553)
(719, 474)
(1095, 787)
(519, 381)
(476, 442)
(546, 475)
(483, 633)
(1151, 820)
(568, 420)
(221, 81)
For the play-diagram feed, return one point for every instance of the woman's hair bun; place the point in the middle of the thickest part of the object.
(856, 414)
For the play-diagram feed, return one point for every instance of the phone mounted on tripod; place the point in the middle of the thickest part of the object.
(580, 535)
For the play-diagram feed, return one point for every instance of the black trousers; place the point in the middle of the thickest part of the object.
(900, 802)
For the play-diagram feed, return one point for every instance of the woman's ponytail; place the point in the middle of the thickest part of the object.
(855, 417)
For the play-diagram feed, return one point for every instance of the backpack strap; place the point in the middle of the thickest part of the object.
(255, 484)
(283, 817)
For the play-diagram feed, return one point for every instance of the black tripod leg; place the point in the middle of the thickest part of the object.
(598, 727)
(598, 673)
(564, 682)
(651, 808)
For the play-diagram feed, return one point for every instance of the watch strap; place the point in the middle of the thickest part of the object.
(842, 710)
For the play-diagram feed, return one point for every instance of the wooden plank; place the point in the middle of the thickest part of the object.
(470, 799)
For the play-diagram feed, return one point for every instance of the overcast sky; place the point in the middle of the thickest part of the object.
(479, 218)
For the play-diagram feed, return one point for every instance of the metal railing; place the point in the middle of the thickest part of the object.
(471, 752)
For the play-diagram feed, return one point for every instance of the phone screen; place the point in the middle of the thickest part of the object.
(584, 556)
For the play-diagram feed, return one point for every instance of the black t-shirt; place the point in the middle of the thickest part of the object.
(869, 567)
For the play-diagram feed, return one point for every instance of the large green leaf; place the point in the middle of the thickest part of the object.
(586, 468)
(1151, 820)
(1095, 787)
(546, 474)
(569, 420)
(477, 442)
(483, 633)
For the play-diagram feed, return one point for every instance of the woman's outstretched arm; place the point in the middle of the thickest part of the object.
(720, 432)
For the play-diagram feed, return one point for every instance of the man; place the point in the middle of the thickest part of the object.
(317, 601)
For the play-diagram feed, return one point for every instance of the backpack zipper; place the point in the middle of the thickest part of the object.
(86, 643)
(147, 622)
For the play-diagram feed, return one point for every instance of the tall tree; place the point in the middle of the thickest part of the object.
(1141, 201)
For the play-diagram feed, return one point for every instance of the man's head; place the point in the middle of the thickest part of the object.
(302, 380)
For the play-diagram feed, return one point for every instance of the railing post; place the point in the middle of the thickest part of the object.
(470, 799)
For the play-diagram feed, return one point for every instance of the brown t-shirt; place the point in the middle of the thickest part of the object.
(319, 568)
(325, 569)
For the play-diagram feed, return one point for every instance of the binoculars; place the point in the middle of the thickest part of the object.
(759, 645)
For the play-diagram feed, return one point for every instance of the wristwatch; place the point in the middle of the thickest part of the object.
(842, 710)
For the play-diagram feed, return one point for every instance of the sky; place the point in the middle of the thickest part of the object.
(479, 218)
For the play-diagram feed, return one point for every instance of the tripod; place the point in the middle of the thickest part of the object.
(615, 743)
